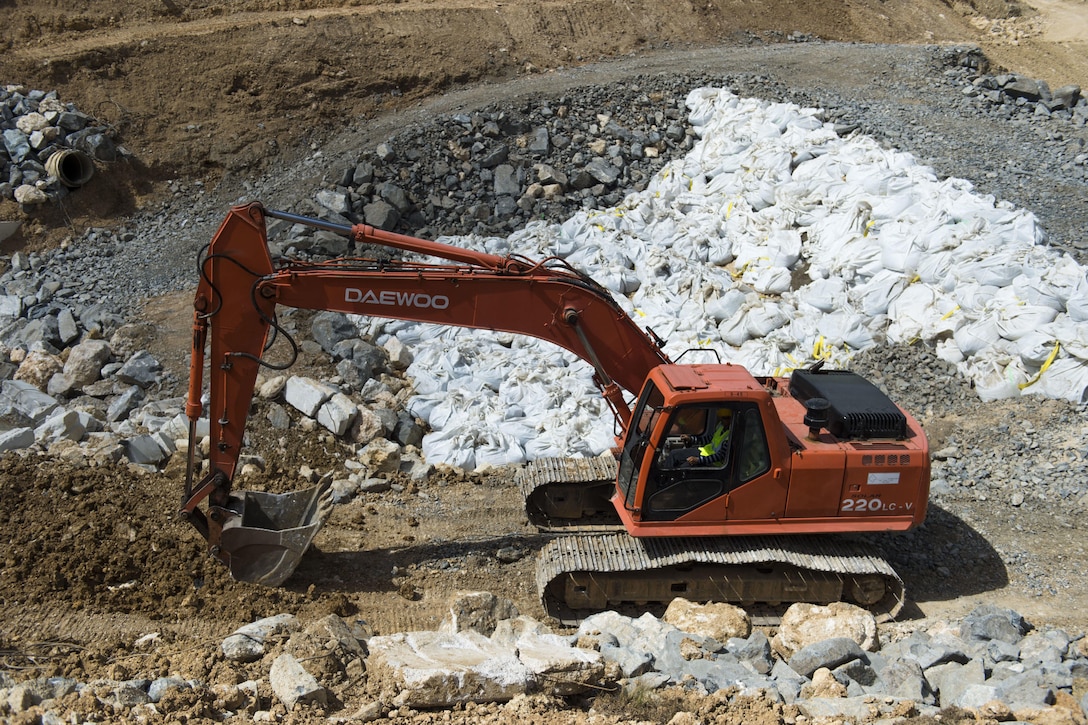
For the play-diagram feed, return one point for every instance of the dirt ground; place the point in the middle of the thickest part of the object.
(93, 558)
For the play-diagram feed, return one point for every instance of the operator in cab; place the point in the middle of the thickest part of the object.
(705, 445)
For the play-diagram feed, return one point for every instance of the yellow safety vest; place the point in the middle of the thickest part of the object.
(721, 435)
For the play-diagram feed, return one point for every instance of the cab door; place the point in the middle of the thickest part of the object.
(684, 483)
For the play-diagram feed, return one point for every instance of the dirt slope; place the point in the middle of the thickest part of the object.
(217, 89)
(200, 87)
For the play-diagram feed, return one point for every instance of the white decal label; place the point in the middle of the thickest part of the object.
(882, 479)
(396, 299)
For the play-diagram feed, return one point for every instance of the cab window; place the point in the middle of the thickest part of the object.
(755, 459)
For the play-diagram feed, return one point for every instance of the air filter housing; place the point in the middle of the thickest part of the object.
(858, 408)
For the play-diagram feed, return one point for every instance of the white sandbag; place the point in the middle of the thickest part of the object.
(1061, 275)
(826, 295)
(620, 280)
(1077, 303)
(901, 250)
(996, 376)
(975, 299)
(875, 295)
(949, 351)
(502, 447)
(1035, 348)
(726, 305)
(1072, 334)
(452, 447)
(1065, 379)
(974, 336)
(1014, 322)
(769, 280)
(998, 270)
(762, 318)
(911, 313)
(1031, 288)
(734, 331)
(935, 269)
(845, 329)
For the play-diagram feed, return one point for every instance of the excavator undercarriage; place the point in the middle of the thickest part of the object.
(595, 565)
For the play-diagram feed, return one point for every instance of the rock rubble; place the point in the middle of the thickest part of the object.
(822, 662)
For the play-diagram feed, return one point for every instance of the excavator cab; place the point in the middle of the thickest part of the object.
(691, 447)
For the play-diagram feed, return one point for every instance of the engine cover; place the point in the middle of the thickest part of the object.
(858, 408)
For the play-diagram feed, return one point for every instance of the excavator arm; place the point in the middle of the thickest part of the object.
(262, 536)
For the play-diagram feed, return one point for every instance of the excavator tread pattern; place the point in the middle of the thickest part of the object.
(620, 553)
(545, 471)
(542, 481)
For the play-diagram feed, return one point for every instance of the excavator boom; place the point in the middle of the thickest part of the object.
(240, 288)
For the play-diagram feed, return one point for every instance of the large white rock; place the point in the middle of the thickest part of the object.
(247, 643)
(31, 122)
(438, 669)
(307, 395)
(558, 668)
(63, 425)
(29, 195)
(400, 357)
(381, 455)
(26, 400)
(293, 684)
(85, 361)
(804, 624)
(337, 413)
(477, 611)
(16, 439)
(38, 367)
(11, 306)
(366, 427)
(718, 619)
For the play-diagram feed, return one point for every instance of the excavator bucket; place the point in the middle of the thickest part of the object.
(264, 542)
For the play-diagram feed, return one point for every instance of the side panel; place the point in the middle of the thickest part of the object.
(816, 482)
(763, 498)
(884, 480)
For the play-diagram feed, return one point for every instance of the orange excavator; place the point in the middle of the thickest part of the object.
(722, 486)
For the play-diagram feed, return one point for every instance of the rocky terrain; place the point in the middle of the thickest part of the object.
(111, 603)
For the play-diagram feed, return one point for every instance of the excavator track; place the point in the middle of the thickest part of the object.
(577, 575)
(570, 495)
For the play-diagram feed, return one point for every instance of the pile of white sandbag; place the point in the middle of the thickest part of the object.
(776, 243)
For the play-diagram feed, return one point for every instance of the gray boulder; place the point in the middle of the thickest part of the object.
(142, 369)
(22, 404)
(829, 653)
(293, 684)
(85, 361)
(989, 622)
(331, 328)
(247, 643)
